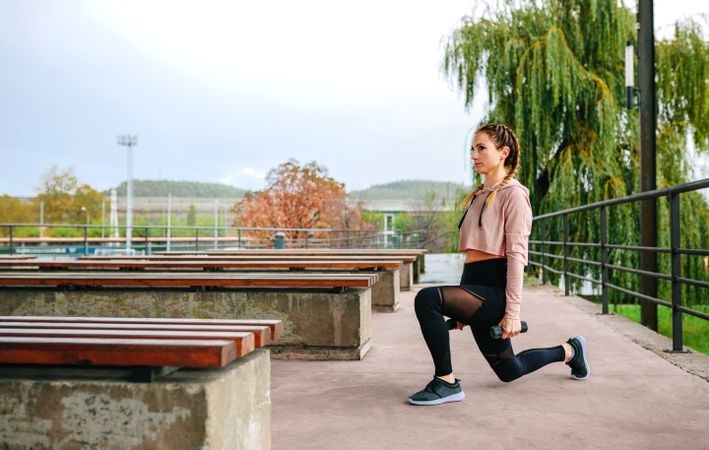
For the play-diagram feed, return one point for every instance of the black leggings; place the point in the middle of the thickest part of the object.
(479, 301)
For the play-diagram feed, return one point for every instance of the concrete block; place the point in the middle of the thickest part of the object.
(385, 293)
(319, 324)
(89, 407)
(407, 276)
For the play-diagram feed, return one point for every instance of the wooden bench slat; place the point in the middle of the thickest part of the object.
(254, 257)
(261, 336)
(276, 327)
(117, 352)
(270, 276)
(201, 264)
(162, 279)
(244, 341)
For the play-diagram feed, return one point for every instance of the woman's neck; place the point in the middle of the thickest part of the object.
(494, 177)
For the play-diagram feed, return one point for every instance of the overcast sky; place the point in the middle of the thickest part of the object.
(222, 91)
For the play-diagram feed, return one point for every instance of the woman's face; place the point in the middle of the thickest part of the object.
(485, 156)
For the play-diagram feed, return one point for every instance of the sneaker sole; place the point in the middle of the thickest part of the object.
(584, 352)
(439, 401)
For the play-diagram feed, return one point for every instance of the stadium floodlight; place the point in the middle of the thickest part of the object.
(129, 142)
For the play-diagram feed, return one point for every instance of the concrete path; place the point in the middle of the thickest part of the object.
(634, 398)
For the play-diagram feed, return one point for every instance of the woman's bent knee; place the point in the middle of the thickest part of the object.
(426, 299)
(508, 370)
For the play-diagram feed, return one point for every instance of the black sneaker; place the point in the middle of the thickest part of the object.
(580, 369)
(438, 392)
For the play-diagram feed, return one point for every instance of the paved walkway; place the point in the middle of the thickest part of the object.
(634, 398)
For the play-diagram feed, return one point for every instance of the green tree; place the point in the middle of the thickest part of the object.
(553, 70)
(66, 200)
(13, 210)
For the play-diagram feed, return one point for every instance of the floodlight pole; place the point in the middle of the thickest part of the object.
(129, 142)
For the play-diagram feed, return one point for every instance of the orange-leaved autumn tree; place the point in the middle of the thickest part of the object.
(298, 197)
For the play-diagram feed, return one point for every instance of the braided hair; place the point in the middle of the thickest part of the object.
(501, 136)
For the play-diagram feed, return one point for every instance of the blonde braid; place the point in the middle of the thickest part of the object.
(469, 197)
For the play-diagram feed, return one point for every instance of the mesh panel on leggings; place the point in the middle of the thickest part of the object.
(494, 359)
(459, 303)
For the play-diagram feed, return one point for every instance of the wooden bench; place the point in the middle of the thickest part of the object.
(385, 292)
(65, 374)
(407, 274)
(419, 265)
(326, 316)
(148, 345)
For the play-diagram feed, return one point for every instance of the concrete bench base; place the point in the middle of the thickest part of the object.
(320, 353)
(72, 407)
(385, 292)
(319, 324)
(407, 276)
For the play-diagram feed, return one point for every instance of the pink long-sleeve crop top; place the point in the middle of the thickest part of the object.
(503, 229)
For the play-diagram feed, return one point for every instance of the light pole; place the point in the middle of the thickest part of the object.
(130, 142)
(629, 75)
(466, 155)
(648, 163)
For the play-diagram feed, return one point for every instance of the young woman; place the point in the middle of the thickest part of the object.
(493, 234)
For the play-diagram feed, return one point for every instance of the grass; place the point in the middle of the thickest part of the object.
(694, 329)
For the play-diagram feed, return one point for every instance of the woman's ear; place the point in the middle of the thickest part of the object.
(504, 152)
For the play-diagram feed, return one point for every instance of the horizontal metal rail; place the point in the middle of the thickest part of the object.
(639, 295)
(531, 241)
(688, 251)
(579, 277)
(693, 312)
(583, 244)
(640, 272)
(583, 261)
(558, 272)
(639, 248)
(699, 283)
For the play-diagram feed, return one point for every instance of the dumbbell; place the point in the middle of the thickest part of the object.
(495, 330)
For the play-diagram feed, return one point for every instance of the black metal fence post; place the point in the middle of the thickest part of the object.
(86, 239)
(566, 254)
(543, 247)
(147, 243)
(196, 240)
(677, 337)
(604, 260)
(11, 236)
(238, 236)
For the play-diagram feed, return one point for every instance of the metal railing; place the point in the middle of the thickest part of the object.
(674, 250)
(88, 238)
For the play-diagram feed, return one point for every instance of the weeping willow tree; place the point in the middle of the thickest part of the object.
(554, 71)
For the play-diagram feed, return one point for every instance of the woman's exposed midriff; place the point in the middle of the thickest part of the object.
(477, 255)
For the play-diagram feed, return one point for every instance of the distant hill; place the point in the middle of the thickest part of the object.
(161, 188)
(407, 190)
(397, 190)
